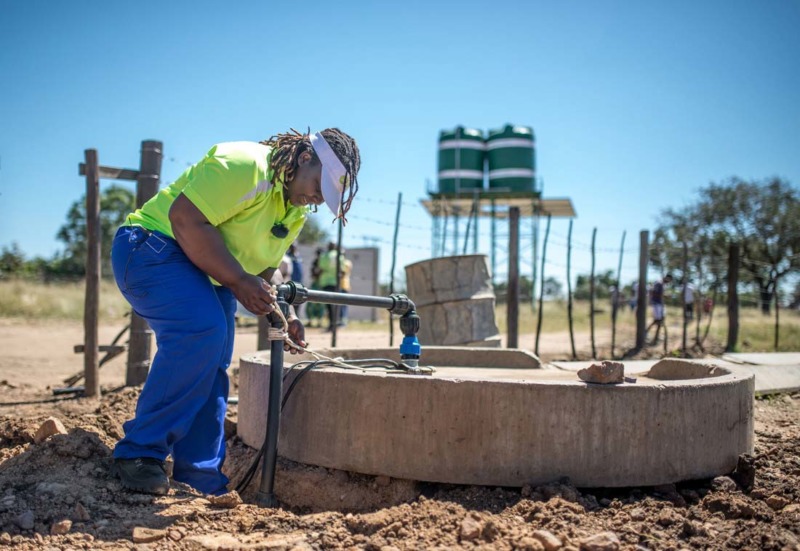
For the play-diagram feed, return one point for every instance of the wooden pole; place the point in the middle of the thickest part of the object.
(475, 236)
(541, 287)
(641, 298)
(591, 295)
(394, 262)
(733, 297)
(777, 315)
(615, 298)
(512, 295)
(569, 291)
(685, 269)
(91, 350)
(140, 337)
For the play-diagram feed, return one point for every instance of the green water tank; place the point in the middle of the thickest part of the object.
(461, 157)
(512, 161)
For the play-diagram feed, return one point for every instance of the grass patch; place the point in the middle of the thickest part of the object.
(57, 301)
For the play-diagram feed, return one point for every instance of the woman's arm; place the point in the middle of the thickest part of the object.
(204, 246)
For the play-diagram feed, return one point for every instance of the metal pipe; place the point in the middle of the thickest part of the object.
(266, 490)
(295, 293)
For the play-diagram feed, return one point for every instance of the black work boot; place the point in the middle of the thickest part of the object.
(142, 474)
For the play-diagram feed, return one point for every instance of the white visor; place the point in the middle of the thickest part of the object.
(334, 175)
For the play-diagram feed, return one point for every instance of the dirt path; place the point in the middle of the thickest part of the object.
(41, 354)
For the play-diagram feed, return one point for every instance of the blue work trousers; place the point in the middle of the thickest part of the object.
(181, 410)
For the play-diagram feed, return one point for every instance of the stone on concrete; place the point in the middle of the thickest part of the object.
(47, 429)
(671, 368)
(604, 373)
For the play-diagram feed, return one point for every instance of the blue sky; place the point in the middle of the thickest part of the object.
(635, 105)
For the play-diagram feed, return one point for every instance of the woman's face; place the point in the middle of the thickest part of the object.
(305, 188)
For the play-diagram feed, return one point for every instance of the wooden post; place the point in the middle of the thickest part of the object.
(777, 314)
(140, 336)
(615, 298)
(641, 298)
(733, 297)
(541, 287)
(569, 291)
(394, 262)
(685, 269)
(91, 350)
(512, 294)
(591, 295)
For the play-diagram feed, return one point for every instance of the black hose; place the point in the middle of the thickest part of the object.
(369, 363)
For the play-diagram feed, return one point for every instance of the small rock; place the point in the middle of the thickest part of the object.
(605, 502)
(637, 514)
(776, 503)
(604, 541)
(470, 529)
(47, 429)
(548, 540)
(61, 527)
(383, 480)
(5, 538)
(80, 513)
(528, 544)
(147, 535)
(724, 484)
(231, 500)
(389, 548)
(526, 490)
(668, 517)
(793, 508)
(24, 520)
(174, 535)
(604, 373)
(745, 473)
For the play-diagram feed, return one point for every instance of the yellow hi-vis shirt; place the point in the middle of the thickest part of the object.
(234, 187)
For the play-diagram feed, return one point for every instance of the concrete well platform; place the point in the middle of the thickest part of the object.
(495, 417)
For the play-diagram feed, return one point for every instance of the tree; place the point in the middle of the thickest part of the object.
(602, 285)
(12, 260)
(762, 216)
(115, 204)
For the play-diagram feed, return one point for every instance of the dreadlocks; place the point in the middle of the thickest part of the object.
(288, 147)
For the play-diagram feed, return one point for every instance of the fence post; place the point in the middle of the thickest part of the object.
(91, 351)
(512, 296)
(683, 295)
(569, 291)
(541, 287)
(591, 296)
(140, 336)
(733, 297)
(641, 299)
(616, 298)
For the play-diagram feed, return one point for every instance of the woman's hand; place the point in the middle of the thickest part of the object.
(298, 334)
(255, 294)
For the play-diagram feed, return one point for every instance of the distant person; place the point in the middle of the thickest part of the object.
(329, 280)
(314, 310)
(657, 303)
(634, 295)
(688, 297)
(344, 287)
(182, 260)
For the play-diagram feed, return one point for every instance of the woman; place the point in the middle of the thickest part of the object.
(213, 237)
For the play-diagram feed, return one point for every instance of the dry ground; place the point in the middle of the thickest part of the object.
(57, 494)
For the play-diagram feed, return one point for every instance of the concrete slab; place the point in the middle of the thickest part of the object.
(507, 426)
(765, 358)
(772, 374)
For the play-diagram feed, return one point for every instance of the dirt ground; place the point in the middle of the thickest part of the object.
(56, 493)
